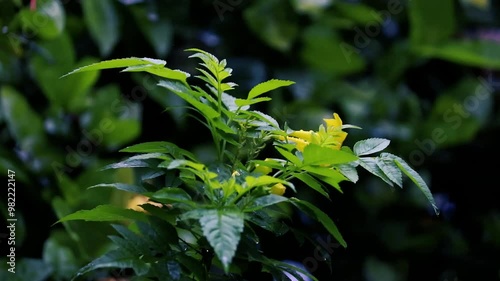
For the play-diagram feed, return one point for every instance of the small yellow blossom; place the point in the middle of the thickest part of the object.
(332, 136)
(305, 135)
(139, 200)
(263, 169)
(336, 122)
(278, 189)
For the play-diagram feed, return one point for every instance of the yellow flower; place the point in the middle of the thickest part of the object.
(300, 144)
(332, 136)
(263, 169)
(139, 200)
(304, 135)
(335, 123)
(278, 189)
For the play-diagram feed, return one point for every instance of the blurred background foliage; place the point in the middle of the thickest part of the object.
(421, 73)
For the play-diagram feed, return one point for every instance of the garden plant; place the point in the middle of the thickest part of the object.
(202, 218)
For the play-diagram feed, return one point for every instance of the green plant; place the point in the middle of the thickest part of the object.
(202, 220)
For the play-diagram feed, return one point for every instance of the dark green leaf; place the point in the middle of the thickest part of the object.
(431, 23)
(223, 228)
(265, 201)
(103, 23)
(159, 31)
(321, 217)
(312, 183)
(117, 63)
(279, 29)
(47, 21)
(105, 213)
(475, 53)
(122, 186)
(117, 259)
(170, 195)
(183, 92)
(415, 178)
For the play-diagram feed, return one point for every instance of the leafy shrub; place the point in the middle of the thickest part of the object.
(200, 219)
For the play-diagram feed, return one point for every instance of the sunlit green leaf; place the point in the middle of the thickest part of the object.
(267, 86)
(318, 155)
(117, 63)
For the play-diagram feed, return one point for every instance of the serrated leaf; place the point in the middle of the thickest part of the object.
(265, 201)
(181, 90)
(223, 229)
(193, 265)
(370, 146)
(296, 272)
(230, 102)
(117, 63)
(415, 178)
(160, 71)
(105, 213)
(116, 259)
(266, 118)
(170, 195)
(321, 217)
(133, 242)
(242, 102)
(390, 169)
(159, 147)
(122, 186)
(267, 86)
(370, 164)
(349, 171)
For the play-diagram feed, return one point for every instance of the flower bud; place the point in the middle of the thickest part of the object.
(278, 189)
